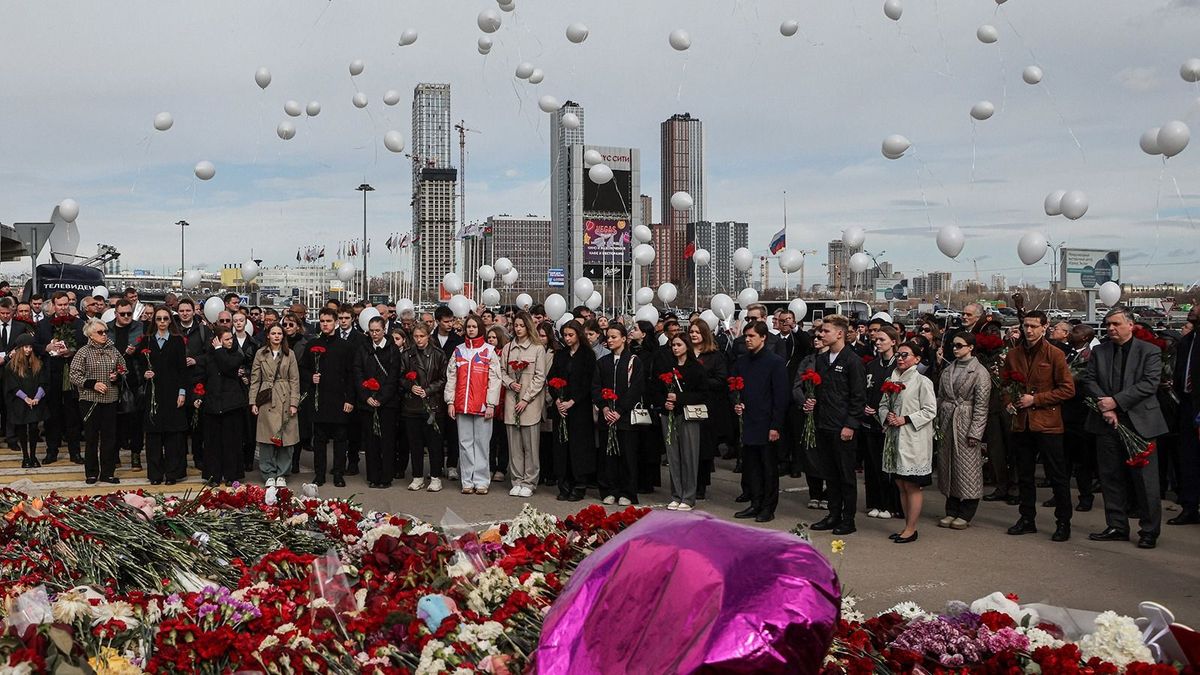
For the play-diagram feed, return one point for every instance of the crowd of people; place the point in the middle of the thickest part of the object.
(604, 404)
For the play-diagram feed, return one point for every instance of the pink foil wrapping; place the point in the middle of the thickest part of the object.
(689, 593)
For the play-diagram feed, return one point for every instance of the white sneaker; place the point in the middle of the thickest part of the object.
(824, 503)
(452, 473)
(873, 513)
(684, 507)
(624, 501)
(435, 485)
(814, 503)
(280, 482)
(884, 515)
(672, 506)
(416, 484)
(526, 491)
(515, 491)
(609, 500)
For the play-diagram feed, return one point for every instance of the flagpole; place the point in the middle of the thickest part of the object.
(787, 277)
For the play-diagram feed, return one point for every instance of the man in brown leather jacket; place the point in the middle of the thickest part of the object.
(1038, 424)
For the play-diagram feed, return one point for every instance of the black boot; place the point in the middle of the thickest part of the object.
(51, 457)
(32, 450)
(26, 461)
(76, 458)
(737, 468)
(135, 460)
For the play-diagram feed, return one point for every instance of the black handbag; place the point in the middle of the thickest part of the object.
(266, 394)
(127, 398)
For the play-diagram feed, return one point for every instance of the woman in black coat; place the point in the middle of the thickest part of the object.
(574, 456)
(24, 389)
(643, 343)
(223, 402)
(422, 384)
(162, 363)
(617, 388)
(678, 383)
(719, 425)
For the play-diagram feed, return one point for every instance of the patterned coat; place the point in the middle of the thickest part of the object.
(963, 395)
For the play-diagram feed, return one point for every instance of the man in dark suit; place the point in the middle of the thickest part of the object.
(755, 312)
(1186, 385)
(56, 353)
(10, 330)
(792, 346)
(349, 331)
(328, 363)
(763, 404)
(198, 338)
(1123, 376)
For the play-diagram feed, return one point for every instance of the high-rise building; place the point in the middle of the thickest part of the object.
(520, 239)
(838, 263)
(999, 283)
(667, 268)
(647, 209)
(561, 140)
(939, 284)
(434, 187)
(682, 164)
(721, 239)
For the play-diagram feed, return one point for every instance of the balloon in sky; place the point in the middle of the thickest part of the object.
(708, 317)
(701, 257)
(747, 297)
(69, 210)
(681, 201)
(452, 283)
(647, 313)
(1149, 141)
(570, 120)
(205, 170)
(643, 254)
(249, 270)
(1053, 203)
(365, 316)
(286, 130)
(799, 308)
(790, 260)
(983, 110)
(523, 301)
(789, 28)
(680, 40)
(484, 44)
(313, 108)
(642, 234)
(524, 70)
(503, 265)
(1173, 137)
(1110, 293)
(213, 308)
(667, 293)
(359, 100)
(486, 273)
(262, 77)
(592, 157)
(408, 37)
(191, 279)
(594, 300)
(391, 97)
(345, 271)
(950, 240)
(743, 259)
(600, 174)
(895, 146)
(292, 108)
(892, 9)
(488, 21)
(356, 67)
(556, 306)
(536, 76)
(460, 306)
(394, 141)
(548, 104)
(163, 121)
(1032, 247)
(508, 6)
(577, 32)
(1074, 204)
(582, 288)
(722, 305)
(510, 277)
(1031, 75)
(644, 295)
(987, 34)
(859, 262)
(854, 236)
(1190, 70)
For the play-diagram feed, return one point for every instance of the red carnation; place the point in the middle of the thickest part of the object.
(146, 352)
(557, 383)
(371, 384)
(988, 342)
(666, 378)
(518, 365)
(411, 376)
(317, 349)
(608, 394)
(811, 375)
(198, 389)
(736, 383)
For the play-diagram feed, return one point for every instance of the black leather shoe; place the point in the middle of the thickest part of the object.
(825, 523)
(574, 498)
(76, 459)
(1109, 534)
(51, 457)
(1147, 541)
(1023, 526)
(90, 480)
(845, 528)
(1013, 500)
(318, 480)
(561, 497)
(352, 470)
(1061, 533)
(170, 481)
(1049, 503)
(748, 512)
(1085, 504)
(764, 517)
(156, 482)
(906, 540)
(742, 498)
(338, 481)
(1186, 518)
(996, 496)
(894, 536)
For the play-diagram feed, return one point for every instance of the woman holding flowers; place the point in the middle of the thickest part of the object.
(719, 425)
(964, 391)
(472, 393)
(24, 388)
(617, 388)
(681, 384)
(94, 372)
(524, 363)
(907, 412)
(223, 401)
(570, 391)
(277, 431)
(162, 358)
(422, 383)
(882, 497)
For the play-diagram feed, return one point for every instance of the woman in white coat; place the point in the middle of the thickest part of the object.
(907, 417)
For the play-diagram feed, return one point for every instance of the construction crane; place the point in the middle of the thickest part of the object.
(462, 130)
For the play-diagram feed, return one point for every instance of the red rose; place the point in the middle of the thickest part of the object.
(557, 383)
(371, 384)
(411, 376)
(667, 378)
(608, 395)
(811, 375)
(317, 349)
(988, 342)
(198, 389)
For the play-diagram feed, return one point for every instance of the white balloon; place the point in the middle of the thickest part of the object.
(508, 6)
(365, 316)
(987, 34)
(205, 170)
(950, 240)
(577, 32)
(854, 236)
(101, 291)
(711, 319)
(391, 97)
(582, 288)
(404, 306)
(345, 271)
(452, 283)
(1110, 293)
(359, 100)
(1173, 137)
(313, 108)
(570, 120)
(69, 210)
(488, 21)
(491, 296)
(1149, 141)
(747, 297)
(1190, 70)
(680, 40)
(356, 67)
(592, 157)
(646, 313)
(799, 308)
(249, 270)
(790, 260)
(1053, 203)
(722, 306)
(503, 265)
(701, 257)
(642, 234)
(983, 110)
(548, 104)
(1032, 247)
(163, 121)
(460, 306)
(892, 9)
(1031, 75)
(789, 28)
(286, 130)
(681, 201)
(213, 308)
(667, 292)
(743, 259)
(524, 301)
(191, 279)
(562, 320)
(536, 76)
(643, 254)
(644, 295)
(109, 315)
(262, 77)
(394, 141)
(1074, 204)
(895, 146)
(292, 108)
(594, 300)
(408, 37)
(556, 306)
(487, 274)
(524, 70)
(510, 277)
(484, 44)
(600, 174)
(859, 262)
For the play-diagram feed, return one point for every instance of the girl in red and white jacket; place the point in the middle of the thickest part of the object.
(472, 392)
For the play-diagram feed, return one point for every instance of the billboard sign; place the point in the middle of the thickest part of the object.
(606, 240)
(556, 277)
(891, 289)
(1088, 269)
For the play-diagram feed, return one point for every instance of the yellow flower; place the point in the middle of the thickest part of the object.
(110, 662)
(837, 546)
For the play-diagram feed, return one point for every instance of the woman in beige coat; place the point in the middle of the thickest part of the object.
(278, 430)
(523, 366)
(963, 393)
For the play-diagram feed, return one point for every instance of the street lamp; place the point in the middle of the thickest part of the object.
(365, 188)
(182, 224)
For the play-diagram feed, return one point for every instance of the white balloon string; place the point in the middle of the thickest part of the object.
(937, 13)
(858, 22)
(1061, 118)
(904, 36)
(1162, 174)
(938, 182)
(810, 40)
(1178, 193)
(682, 76)
(921, 188)
(973, 129)
(1003, 78)
(262, 101)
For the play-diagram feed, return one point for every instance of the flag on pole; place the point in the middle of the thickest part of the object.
(779, 241)
(297, 255)
(689, 250)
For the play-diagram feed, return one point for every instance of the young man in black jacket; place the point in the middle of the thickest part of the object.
(328, 363)
(762, 406)
(347, 330)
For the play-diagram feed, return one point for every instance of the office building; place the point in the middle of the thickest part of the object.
(682, 165)
(838, 263)
(999, 283)
(434, 228)
(721, 239)
(647, 209)
(668, 268)
(521, 240)
(562, 139)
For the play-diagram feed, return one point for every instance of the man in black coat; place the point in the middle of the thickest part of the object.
(328, 364)
(792, 346)
(762, 406)
(125, 333)
(378, 360)
(1186, 385)
(447, 340)
(58, 336)
(198, 340)
(10, 330)
(349, 331)
(755, 312)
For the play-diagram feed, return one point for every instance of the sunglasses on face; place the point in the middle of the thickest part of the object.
(904, 355)
(162, 318)
(926, 330)
(124, 313)
(100, 331)
(960, 345)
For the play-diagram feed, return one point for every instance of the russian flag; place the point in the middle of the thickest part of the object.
(779, 241)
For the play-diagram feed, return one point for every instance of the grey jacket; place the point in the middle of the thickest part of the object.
(1137, 401)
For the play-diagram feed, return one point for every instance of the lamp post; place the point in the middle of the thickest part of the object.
(366, 290)
(182, 224)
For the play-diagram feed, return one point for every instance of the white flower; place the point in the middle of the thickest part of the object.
(319, 603)
(849, 613)
(24, 668)
(530, 521)
(360, 599)
(1117, 639)
(1040, 638)
(907, 610)
(120, 610)
(298, 519)
(423, 528)
(376, 533)
(492, 588)
(73, 604)
(461, 567)
(285, 628)
(268, 642)
(431, 662)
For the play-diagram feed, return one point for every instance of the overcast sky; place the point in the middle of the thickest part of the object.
(82, 82)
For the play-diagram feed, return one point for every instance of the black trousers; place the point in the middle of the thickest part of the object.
(166, 456)
(760, 467)
(569, 482)
(379, 450)
(836, 459)
(223, 438)
(100, 459)
(621, 469)
(24, 437)
(882, 492)
(1029, 445)
(129, 430)
(450, 443)
(422, 437)
(10, 431)
(196, 436)
(356, 435)
(1081, 455)
(400, 448)
(497, 451)
(65, 419)
(249, 428)
(1189, 458)
(323, 432)
(1128, 491)
(961, 508)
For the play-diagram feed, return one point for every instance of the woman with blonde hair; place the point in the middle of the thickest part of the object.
(24, 382)
(523, 366)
